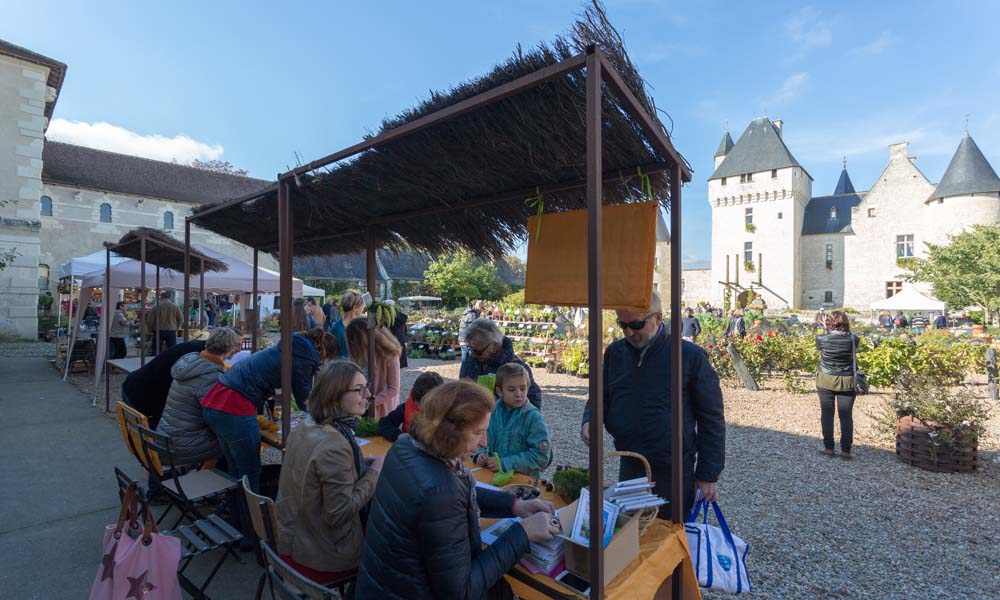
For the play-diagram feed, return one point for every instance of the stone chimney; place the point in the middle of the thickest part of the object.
(777, 125)
(901, 148)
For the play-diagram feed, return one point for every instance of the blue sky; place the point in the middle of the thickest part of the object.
(253, 83)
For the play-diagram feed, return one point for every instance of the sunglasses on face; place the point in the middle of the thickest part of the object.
(635, 325)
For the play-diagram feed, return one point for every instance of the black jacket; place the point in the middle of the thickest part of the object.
(737, 326)
(146, 389)
(637, 407)
(836, 351)
(423, 537)
(390, 425)
(398, 330)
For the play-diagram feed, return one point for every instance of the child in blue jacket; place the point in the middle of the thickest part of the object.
(517, 431)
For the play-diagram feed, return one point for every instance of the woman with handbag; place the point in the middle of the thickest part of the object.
(835, 381)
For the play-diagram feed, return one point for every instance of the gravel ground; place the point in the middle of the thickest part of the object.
(818, 527)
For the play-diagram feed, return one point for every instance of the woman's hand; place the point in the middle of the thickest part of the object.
(527, 508)
(481, 460)
(540, 527)
(375, 463)
(491, 463)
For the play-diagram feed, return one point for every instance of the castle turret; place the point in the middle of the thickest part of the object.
(844, 185)
(724, 147)
(968, 194)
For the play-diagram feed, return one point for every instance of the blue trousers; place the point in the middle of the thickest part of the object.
(239, 439)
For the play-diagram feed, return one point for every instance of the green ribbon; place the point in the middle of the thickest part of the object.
(645, 184)
(539, 202)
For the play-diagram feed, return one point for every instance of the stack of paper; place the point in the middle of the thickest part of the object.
(580, 532)
(633, 494)
(542, 557)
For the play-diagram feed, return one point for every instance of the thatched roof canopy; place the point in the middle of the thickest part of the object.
(436, 188)
(163, 251)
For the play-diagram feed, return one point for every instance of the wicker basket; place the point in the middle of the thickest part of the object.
(913, 447)
(646, 516)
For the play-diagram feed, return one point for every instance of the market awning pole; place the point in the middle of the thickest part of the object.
(201, 297)
(256, 319)
(285, 289)
(187, 277)
(142, 302)
(676, 407)
(157, 313)
(107, 319)
(595, 303)
(372, 285)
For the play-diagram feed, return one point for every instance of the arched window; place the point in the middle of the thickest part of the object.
(105, 213)
(47, 206)
(168, 220)
(43, 277)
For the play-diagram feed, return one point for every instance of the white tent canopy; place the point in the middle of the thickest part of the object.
(909, 299)
(78, 267)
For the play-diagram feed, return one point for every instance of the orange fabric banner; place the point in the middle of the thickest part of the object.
(557, 257)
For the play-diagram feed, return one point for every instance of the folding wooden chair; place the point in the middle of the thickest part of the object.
(289, 583)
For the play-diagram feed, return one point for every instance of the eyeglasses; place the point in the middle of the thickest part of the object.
(479, 351)
(635, 325)
(363, 390)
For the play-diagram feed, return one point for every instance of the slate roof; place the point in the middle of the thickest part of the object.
(968, 173)
(77, 166)
(760, 148)
(57, 70)
(844, 185)
(402, 266)
(816, 218)
(724, 146)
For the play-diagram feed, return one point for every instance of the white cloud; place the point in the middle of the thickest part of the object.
(691, 261)
(791, 88)
(105, 136)
(878, 45)
(808, 29)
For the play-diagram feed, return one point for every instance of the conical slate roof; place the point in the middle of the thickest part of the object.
(724, 146)
(760, 148)
(844, 185)
(968, 173)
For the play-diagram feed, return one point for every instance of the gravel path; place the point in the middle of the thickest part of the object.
(819, 527)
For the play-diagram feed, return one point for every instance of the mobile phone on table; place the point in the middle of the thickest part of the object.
(574, 582)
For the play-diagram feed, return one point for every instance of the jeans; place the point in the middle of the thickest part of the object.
(118, 349)
(845, 404)
(168, 338)
(465, 352)
(239, 439)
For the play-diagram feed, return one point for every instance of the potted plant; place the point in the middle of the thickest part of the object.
(748, 266)
(937, 428)
(750, 228)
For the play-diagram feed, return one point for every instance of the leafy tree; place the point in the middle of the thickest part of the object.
(459, 278)
(965, 271)
(516, 265)
(7, 256)
(219, 166)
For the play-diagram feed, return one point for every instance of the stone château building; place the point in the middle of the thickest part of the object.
(771, 236)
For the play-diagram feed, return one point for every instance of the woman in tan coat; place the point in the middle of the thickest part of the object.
(326, 483)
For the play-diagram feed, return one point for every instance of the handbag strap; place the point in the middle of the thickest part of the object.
(129, 510)
(150, 525)
(732, 543)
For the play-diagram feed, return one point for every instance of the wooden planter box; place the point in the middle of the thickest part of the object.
(913, 447)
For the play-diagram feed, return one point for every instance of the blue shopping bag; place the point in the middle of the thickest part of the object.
(719, 557)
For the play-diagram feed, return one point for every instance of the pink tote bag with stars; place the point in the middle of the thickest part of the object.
(138, 562)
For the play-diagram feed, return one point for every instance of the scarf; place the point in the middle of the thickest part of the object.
(215, 358)
(458, 469)
(347, 425)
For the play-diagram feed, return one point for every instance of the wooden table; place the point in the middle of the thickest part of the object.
(662, 547)
(127, 365)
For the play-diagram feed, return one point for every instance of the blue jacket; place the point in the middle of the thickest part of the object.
(637, 405)
(340, 332)
(423, 539)
(520, 437)
(257, 377)
(472, 369)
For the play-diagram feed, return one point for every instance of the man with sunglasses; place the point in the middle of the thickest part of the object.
(637, 406)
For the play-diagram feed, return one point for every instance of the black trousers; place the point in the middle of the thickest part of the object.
(630, 468)
(118, 349)
(844, 402)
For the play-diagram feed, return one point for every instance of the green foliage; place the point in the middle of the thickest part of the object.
(935, 356)
(960, 417)
(367, 427)
(568, 482)
(45, 301)
(7, 257)
(964, 272)
(515, 300)
(750, 228)
(459, 278)
(712, 325)
(748, 266)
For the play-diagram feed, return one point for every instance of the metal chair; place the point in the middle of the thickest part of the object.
(289, 583)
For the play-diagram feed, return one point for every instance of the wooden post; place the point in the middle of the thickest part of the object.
(372, 283)
(187, 278)
(285, 243)
(760, 269)
(991, 372)
(256, 320)
(737, 269)
(142, 302)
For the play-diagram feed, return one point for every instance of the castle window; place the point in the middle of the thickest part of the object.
(828, 297)
(743, 178)
(892, 288)
(779, 216)
(774, 173)
(749, 177)
(168, 220)
(829, 256)
(105, 213)
(871, 213)
(723, 181)
(833, 213)
(748, 216)
(46, 207)
(43, 277)
(904, 246)
(748, 252)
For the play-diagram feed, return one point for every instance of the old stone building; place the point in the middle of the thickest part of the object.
(59, 201)
(772, 237)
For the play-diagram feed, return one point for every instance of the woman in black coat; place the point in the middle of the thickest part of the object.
(835, 382)
(423, 529)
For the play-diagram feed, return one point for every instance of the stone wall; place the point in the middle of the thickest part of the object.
(817, 279)
(23, 94)
(697, 286)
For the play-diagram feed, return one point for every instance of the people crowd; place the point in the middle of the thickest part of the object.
(407, 524)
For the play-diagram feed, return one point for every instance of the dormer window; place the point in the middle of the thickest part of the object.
(723, 181)
(833, 213)
(774, 173)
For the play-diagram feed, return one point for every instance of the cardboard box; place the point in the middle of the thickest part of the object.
(618, 554)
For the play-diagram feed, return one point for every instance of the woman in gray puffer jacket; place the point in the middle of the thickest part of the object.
(194, 374)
